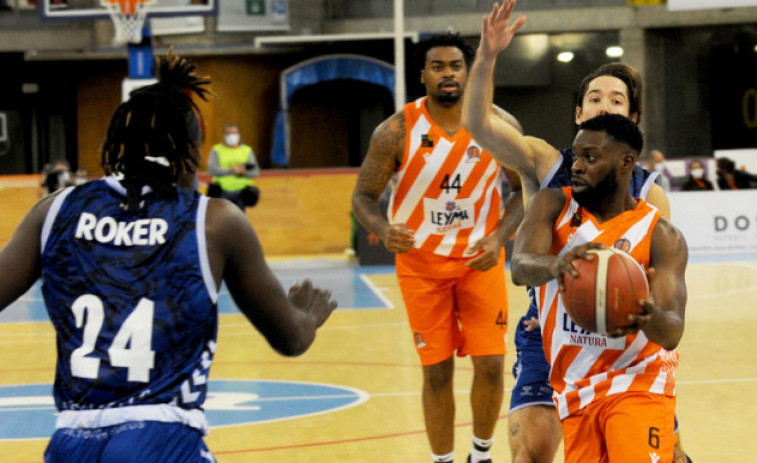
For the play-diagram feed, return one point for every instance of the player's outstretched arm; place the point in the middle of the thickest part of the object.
(493, 130)
(20, 258)
(664, 312)
(288, 322)
(384, 155)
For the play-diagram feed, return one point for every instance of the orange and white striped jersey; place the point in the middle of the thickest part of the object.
(447, 189)
(586, 366)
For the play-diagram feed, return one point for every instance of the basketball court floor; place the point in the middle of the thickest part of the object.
(355, 395)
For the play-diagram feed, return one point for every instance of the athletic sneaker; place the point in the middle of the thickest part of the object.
(482, 461)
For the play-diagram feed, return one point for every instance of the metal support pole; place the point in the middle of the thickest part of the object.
(399, 54)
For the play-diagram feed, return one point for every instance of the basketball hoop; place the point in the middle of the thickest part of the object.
(129, 17)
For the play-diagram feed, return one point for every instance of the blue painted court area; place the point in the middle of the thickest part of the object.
(28, 412)
(346, 280)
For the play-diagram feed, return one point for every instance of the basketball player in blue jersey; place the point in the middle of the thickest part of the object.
(131, 266)
(614, 88)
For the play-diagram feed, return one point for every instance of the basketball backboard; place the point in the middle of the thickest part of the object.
(93, 9)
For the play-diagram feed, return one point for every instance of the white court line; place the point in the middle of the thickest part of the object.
(34, 338)
(379, 292)
(716, 381)
(326, 326)
(31, 341)
(682, 383)
(723, 293)
(299, 397)
(28, 335)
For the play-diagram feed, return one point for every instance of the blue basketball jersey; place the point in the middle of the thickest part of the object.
(132, 300)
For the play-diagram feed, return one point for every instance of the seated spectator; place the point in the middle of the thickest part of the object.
(57, 176)
(657, 164)
(697, 180)
(81, 177)
(233, 166)
(730, 178)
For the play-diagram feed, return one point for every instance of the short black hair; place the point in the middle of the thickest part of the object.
(620, 128)
(443, 40)
(152, 135)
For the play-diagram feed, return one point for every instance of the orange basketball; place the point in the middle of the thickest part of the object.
(605, 291)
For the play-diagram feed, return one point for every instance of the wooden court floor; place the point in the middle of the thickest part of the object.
(365, 351)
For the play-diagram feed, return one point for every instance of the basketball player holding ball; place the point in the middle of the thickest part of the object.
(615, 393)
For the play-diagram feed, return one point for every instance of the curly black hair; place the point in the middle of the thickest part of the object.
(154, 136)
(443, 40)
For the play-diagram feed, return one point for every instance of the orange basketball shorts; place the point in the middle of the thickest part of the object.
(451, 307)
(630, 427)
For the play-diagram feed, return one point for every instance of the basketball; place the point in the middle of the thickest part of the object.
(606, 290)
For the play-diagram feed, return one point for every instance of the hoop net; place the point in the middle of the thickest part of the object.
(128, 16)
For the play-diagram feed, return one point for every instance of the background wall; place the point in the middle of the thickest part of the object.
(300, 211)
(246, 89)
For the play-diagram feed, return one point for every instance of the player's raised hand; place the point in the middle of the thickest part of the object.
(496, 32)
(399, 238)
(315, 301)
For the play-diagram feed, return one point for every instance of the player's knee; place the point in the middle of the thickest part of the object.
(489, 368)
(438, 377)
(533, 451)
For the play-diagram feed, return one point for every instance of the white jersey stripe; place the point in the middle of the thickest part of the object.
(421, 184)
(202, 246)
(50, 217)
(658, 387)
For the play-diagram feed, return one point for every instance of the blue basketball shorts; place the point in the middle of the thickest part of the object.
(131, 442)
(531, 381)
(531, 369)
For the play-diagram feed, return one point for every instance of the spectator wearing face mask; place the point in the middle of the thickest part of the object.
(657, 164)
(57, 176)
(697, 180)
(233, 166)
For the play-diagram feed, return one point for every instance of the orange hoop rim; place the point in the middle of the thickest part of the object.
(128, 7)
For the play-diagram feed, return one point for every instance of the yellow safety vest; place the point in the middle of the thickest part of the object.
(228, 157)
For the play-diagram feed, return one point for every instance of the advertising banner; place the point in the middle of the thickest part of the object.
(717, 222)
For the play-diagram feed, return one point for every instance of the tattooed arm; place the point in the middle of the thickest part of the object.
(382, 160)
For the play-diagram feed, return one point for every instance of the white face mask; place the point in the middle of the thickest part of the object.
(658, 167)
(232, 139)
(697, 173)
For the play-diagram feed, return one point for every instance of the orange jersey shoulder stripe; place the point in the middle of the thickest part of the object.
(587, 366)
(447, 188)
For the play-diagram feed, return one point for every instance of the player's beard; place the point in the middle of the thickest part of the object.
(447, 98)
(591, 198)
(444, 97)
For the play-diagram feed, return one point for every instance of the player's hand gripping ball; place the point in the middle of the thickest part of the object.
(606, 290)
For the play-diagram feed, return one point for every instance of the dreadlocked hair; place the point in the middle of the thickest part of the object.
(154, 136)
